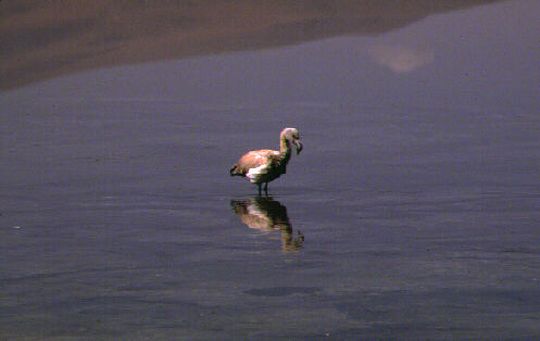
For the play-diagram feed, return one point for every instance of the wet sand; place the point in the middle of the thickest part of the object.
(42, 41)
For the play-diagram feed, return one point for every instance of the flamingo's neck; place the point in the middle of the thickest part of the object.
(284, 148)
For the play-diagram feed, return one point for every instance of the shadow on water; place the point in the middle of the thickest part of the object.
(266, 214)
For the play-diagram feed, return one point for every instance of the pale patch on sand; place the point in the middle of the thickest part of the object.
(401, 59)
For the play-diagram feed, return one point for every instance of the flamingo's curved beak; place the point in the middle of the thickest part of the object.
(298, 146)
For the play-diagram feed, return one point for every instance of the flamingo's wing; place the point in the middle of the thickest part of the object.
(254, 159)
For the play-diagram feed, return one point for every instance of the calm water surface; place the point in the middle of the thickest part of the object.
(413, 211)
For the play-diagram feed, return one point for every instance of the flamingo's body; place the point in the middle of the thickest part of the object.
(262, 166)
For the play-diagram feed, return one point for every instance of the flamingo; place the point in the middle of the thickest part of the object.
(262, 166)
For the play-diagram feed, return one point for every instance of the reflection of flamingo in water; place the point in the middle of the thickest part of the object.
(263, 166)
(266, 214)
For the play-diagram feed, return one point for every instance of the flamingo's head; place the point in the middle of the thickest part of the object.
(292, 135)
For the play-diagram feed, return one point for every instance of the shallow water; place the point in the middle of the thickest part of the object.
(412, 212)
